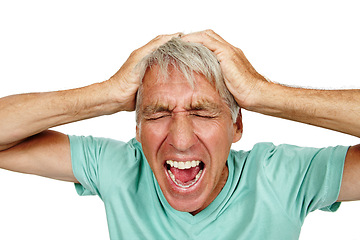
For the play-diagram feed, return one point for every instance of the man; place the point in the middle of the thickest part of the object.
(179, 179)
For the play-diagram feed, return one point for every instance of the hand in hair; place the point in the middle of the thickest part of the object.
(242, 80)
(125, 82)
(332, 109)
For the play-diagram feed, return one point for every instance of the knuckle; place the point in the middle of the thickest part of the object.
(135, 52)
(209, 31)
(229, 50)
(161, 36)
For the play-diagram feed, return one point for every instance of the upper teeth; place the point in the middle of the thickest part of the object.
(183, 165)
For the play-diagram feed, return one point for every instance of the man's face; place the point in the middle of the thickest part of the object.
(186, 134)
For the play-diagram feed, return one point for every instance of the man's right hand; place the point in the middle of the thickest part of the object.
(25, 143)
(125, 82)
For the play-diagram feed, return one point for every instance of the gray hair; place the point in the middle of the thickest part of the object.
(188, 58)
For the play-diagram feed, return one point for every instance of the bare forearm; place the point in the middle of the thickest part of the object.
(28, 114)
(338, 110)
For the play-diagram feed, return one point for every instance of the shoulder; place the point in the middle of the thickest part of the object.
(99, 142)
(286, 157)
(104, 148)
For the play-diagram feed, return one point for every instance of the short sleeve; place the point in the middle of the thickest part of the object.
(84, 158)
(96, 162)
(305, 179)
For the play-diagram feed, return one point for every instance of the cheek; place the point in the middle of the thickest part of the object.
(217, 138)
(151, 135)
(214, 132)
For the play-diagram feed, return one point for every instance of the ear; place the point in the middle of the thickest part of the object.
(138, 133)
(238, 127)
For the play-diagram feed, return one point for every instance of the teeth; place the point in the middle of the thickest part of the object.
(183, 165)
(182, 185)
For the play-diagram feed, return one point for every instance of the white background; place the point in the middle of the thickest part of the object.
(53, 45)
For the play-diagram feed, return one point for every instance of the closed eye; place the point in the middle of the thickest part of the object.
(208, 116)
(157, 116)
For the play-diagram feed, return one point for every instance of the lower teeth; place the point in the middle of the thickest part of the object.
(181, 184)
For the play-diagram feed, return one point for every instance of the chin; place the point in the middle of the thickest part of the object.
(192, 206)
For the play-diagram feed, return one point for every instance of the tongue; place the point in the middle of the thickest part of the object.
(185, 175)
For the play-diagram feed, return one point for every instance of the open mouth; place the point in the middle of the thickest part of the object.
(184, 174)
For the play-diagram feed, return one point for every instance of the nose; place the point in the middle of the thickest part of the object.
(181, 133)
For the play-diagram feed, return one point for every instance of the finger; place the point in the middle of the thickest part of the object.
(207, 38)
(158, 41)
(150, 47)
(216, 36)
(137, 55)
(205, 34)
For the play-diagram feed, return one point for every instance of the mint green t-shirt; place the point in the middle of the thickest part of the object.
(269, 191)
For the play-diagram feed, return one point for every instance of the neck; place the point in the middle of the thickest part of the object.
(216, 191)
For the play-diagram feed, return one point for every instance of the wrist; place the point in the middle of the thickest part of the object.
(267, 98)
(108, 96)
(90, 101)
(257, 95)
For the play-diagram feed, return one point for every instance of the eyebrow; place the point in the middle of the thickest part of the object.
(206, 105)
(199, 105)
(155, 108)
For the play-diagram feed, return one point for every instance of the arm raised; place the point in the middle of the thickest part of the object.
(338, 110)
(26, 144)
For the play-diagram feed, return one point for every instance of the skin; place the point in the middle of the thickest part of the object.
(337, 110)
(27, 146)
(178, 122)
